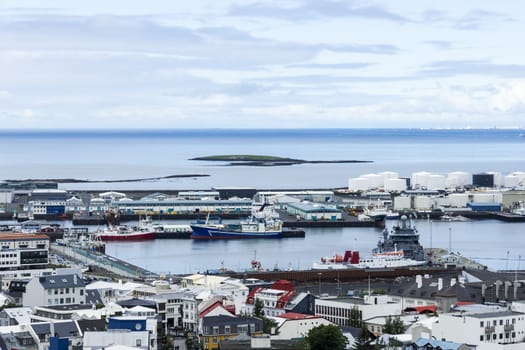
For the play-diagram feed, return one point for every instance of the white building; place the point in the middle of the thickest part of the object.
(55, 290)
(20, 250)
(500, 327)
(293, 325)
(314, 211)
(338, 310)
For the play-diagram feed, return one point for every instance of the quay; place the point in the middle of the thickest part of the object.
(97, 260)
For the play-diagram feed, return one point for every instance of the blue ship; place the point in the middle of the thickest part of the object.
(255, 227)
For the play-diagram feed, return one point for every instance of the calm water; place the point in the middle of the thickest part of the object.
(143, 154)
(486, 241)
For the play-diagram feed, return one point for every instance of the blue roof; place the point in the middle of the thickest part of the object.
(445, 345)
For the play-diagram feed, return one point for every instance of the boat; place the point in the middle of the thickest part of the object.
(352, 260)
(164, 230)
(123, 233)
(261, 224)
(403, 236)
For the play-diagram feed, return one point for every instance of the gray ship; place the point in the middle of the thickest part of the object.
(403, 237)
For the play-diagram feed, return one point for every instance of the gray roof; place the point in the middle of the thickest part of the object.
(92, 325)
(210, 321)
(495, 314)
(62, 329)
(93, 297)
(129, 303)
(61, 281)
(69, 307)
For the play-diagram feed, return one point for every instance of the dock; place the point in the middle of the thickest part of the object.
(97, 260)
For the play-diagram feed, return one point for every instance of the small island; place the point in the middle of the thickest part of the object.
(263, 160)
(69, 180)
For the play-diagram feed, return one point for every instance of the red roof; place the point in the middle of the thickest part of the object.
(283, 285)
(422, 309)
(296, 316)
(461, 303)
(213, 307)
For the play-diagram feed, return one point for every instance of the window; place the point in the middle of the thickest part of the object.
(227, 329)
(494, 323)
(215, 330)
(501, 335)
(138, 342)
(481, 338)
(494, 336)
(481, 324)
(501, 322)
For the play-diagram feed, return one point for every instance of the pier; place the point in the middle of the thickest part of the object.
(102, 261)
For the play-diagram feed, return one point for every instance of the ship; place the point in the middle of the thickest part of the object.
(123, 233)
(351, 260)
(162, 231)
(261, 224)
(403, 237)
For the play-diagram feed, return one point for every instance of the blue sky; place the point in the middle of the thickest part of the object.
(252, 64)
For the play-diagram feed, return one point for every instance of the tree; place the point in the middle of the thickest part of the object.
(326, 337)
(356, 317)
(363, 340)
(394, 326)
(258, 306)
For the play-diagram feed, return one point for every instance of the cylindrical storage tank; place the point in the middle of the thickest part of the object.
(376, 180)
(436, 182)
(395, 185)
(402, 203)
(419, 179)
(389, 175)
(359, 184)
(461, 178)
(511, 181)
(442, 201)
(483, 197)
(422, 202)
(458, 200)
(498, 178)
(521, 177)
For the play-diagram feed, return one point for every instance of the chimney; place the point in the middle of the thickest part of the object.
(452, 282)
(483, 289)
(419, 281)
(516, 286)
(440, 283)
(507, 285)
(75, 279)
(498, 283)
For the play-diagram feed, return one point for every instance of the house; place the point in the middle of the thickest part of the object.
(63, 329)
(264, 342)
(54, 290)
(15, 316)
(14, 337)
(218, 328)
(274, 299)
(293, 325)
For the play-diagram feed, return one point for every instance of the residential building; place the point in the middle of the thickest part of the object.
(500, 327)
(21, 250)
(274, 299)
(218, 328)
(55, 290)
(293, 325)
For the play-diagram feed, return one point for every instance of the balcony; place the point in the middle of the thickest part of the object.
(489, 330)
(508, 328)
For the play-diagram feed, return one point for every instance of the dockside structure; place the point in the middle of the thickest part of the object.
(178, 206)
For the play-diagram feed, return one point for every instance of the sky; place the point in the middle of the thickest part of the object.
(261, 64)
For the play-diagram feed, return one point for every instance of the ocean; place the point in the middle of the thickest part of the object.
(119, 155)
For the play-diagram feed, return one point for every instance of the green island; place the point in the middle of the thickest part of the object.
(264, 160)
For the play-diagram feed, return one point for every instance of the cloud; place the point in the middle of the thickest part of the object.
(472, 67)
(308, 10)
(478, 18)
(440, 44)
